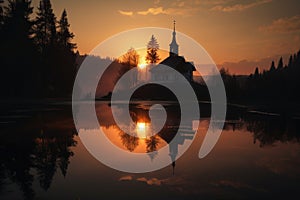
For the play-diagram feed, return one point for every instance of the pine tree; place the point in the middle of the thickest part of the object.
(45, 26)
(17, 48)
(65, 69)
(64, 34)
(256, 73)
(280, 64)
(152, 48)
(272, 68)
(45, 38)
(1, 14)
(290, 62)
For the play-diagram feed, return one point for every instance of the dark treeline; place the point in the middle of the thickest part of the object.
(37, 55)
(279, 83)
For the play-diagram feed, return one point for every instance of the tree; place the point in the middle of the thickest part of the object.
(129, 141)
(45, 26)
(130, 59)
(272, 68)
(151, 146)
(290, 62)
(45, 37)
(65, 71)
(152, 48)
(256, 73)
(280, 64)
(64, 34)
(17, 48)
(1, 13)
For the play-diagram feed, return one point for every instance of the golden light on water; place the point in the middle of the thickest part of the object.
(141, 129)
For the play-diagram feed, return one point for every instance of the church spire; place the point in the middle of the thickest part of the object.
(174, 23)
(174, 45)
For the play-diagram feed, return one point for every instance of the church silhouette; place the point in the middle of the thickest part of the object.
(175, 62)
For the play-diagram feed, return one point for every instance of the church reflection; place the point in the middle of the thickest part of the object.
(266, 129)
(150, 144)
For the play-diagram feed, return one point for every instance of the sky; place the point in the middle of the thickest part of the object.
(239, 35)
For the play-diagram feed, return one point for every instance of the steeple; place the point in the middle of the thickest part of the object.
(174, 45)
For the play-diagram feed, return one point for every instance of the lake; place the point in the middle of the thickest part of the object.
(42, 156)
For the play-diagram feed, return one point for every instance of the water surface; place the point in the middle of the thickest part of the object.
(42, 157)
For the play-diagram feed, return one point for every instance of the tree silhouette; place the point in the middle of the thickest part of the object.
(18, 55)
(152, 48)
(280, 64)
(272, 68)
(129, 141)
(281, 83)
(290, 61)
(53, 40)
(45, 38)
(64, 76)
(256, 73)
(1, 14)
(151, 146)
(64, 34)
(45, 26)
(130, 59)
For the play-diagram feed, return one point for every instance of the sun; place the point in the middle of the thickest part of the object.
(142, 65)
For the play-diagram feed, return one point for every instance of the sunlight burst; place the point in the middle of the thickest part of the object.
(141, 130)
(142, 65)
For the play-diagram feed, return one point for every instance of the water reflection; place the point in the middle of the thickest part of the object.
(37, 148)
(143, 141)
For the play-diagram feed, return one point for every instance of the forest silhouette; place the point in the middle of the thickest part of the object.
(37, 55)
(38, 60)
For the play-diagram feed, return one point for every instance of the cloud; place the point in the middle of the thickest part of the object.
(126, 13)
(179, 7)
(283, 25)
(189, 7)
(169, 11)
(239, 7)
(212, 2)
(125, 178)
(151, 181)
(153, 11)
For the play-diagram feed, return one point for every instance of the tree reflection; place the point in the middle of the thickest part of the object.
(129, 141)
(36, 150)
(42, 146)
(151, 145)
(17, 161)
(269, 130)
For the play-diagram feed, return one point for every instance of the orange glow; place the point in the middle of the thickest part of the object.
(221, 31)
(141, 130)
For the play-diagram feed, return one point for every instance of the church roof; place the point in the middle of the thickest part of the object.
(177, 62)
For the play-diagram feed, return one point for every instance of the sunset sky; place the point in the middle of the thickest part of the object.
(237, 34)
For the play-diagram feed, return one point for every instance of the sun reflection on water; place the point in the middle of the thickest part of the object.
(141, 129)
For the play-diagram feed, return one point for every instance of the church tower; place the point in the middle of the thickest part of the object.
(174, 45)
